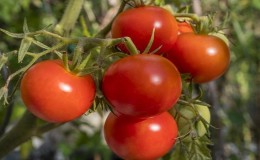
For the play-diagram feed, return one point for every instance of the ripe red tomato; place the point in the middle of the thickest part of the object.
(140, 139)
(142, 85)
(205, 57)
(138, 24)
(55, 95)
(184, 27)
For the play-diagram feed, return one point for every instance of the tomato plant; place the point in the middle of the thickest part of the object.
(193, 120)
(142, 85)
(204, 57)
(140, 139)
(138, 24)
(54, 94)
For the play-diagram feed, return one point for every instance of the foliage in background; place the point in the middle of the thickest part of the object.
(234, 97)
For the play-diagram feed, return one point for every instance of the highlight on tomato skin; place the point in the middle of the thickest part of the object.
(142, 85)
(204, 57)
(55, 95)
(140, 139)
(138, 24)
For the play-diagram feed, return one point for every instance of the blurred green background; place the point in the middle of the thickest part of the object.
(234, 97)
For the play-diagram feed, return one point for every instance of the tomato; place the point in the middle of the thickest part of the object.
(140, 139)
(184, 27)
(138, 24)
(184, 124)
(142, 85)
(220, 34)
(204, 57)
(54, 94)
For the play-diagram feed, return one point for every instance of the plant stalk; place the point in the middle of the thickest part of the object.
(69, 17)
(21, 132)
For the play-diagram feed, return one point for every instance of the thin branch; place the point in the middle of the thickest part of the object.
(102, 33)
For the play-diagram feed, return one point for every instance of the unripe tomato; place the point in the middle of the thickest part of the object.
(140, 139)
(138, 24)
(142, 85)
(54, 94)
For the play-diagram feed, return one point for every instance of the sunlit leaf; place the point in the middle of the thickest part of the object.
(25, 45)
(14, 35)
(25, 26)
(3, 60)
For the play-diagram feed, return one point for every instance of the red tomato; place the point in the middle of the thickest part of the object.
(184, 27)
(142, 85)
(55, 95)
(140, 139)
(205, 57)
(138, 24)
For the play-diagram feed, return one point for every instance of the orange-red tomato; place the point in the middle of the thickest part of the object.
(140, 139)
(55, 95)
(204, 57)
(184, 27)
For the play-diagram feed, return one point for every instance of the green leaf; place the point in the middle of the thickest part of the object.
(195, 149)
(3, 60)
(40, 44)
(14, 35)
(25, 26)
(4, 94)
(25, 44)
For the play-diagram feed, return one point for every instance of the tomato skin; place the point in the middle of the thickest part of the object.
(184, 27)
(205, 57)
(55, 95)
(140, 139)
(138, 24)
(142, 85)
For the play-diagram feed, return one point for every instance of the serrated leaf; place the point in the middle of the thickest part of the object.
(179, 153)
(14, 35)
(25, 45)
(196, 149)
(25, 26)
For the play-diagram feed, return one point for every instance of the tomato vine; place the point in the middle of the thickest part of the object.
(92, 56)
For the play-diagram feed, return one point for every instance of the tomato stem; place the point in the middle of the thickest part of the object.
(69, 17)
(130, 46)
(66, 62)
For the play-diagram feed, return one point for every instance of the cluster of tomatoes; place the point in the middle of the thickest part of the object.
(140, 88)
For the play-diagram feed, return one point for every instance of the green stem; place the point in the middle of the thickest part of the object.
(23, 131)
(35, 58)
(70, 17)
(130, 46)
(191, 16)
